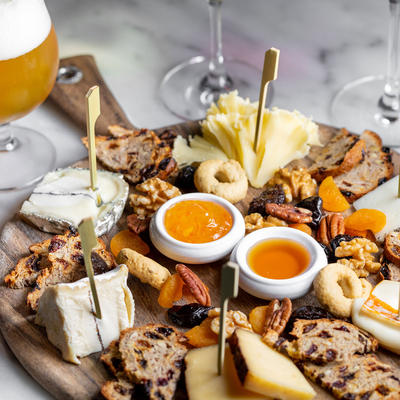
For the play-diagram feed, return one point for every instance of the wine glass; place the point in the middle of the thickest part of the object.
(372, 102)
(28, 69)
(188, 89)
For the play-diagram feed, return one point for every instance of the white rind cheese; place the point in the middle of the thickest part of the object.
(64, 198)
(66, 311)
(203, 381)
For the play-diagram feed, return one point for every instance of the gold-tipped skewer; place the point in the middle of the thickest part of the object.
(229, 289)
(92, 113)
(89, 242)
(270, 73)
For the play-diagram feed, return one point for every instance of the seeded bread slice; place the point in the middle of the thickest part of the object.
(389, 271)
(340, 155)
(324, 340)
(138, 155)
(358, 378)
(392, 247)
(150, 357)
(373, 170)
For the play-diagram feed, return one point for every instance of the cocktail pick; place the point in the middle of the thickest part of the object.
(89, 241)
(92, 113)
(270, 73)
(229, 289)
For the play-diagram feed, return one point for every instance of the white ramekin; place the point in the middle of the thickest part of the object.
(266, 288)
(193, 253)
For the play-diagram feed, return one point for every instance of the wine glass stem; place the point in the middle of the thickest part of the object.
(390, 100)
(216, 77)
(7, 141)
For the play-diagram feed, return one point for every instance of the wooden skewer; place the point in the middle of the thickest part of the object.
(92, 113)
(229, 289)
(270, 73)
(89, 242)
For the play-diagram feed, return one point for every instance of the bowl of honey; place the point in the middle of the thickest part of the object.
(278, 262)
(196, 228)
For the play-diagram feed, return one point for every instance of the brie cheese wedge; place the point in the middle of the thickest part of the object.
(64, 198)
(66, 311)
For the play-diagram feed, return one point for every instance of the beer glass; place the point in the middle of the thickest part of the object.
(373, 102)
(188, 89)
(28, 69)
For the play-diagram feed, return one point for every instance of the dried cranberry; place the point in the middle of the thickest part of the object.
(188, 315)
(273, 194)
(185, 178)
(314, 204)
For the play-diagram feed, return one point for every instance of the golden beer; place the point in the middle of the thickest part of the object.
(27, 80)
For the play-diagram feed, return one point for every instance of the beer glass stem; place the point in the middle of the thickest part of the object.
(7, 141)
(389, 102)
(217, 78)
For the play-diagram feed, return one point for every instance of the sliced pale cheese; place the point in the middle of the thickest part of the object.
(197, 150)
(64, 198)
(230, 125)
(265, 371)
(203, 381)
(66, 311)
(383, 198)
(383, 303)
(387, 335)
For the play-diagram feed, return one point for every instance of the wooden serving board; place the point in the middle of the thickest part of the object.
(28, 341)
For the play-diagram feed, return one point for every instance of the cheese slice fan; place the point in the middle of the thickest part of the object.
(229, 289)
(89, 242)
(92, 113)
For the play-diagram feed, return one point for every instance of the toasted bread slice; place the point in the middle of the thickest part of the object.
(391, 249)
(341, 154)
(389, 271)
(138, 155)
(373, 170)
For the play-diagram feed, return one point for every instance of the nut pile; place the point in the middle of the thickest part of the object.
(257, 221)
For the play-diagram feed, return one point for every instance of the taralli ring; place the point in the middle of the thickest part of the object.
(335, 287)
(226, 179)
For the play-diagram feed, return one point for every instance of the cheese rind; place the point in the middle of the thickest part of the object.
(203, 381)
(265, 371)
(66, 311)
(64, 198)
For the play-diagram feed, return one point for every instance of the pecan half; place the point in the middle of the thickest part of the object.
(137, 224)
(289, 213)
(277, 315)
(196, 286)
(330, 226)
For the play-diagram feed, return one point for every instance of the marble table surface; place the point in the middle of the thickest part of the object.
(323, 44)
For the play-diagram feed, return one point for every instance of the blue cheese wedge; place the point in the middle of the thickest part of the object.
(66, 311)
(64, 198)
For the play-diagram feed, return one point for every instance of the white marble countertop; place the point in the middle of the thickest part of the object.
(323, 44)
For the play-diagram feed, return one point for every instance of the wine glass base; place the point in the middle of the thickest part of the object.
(356, 108)
(32, 157)
(182, 89)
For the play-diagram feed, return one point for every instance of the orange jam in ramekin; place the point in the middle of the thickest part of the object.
(197, 221)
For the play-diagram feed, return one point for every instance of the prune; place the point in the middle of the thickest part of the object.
(185, 178)
(314, 204)
(189, 315)
(329, 253)
(309, 313)
(335, 242)
(273, 194)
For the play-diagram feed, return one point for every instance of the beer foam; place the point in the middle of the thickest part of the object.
(24, 25)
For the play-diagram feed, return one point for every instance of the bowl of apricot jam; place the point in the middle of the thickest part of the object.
(196, 228)
(278, 262)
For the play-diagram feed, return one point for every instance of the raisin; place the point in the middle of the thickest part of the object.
(349, 377)
(309, 327)
(314, 204)
(313, 348)
(325, 335)
(349, 396)
(339, 384)
(308, 313)
(273, 194)
(185, 178)
(189, 315)
(342, 328)
(366, 396)
(56, 244)
(383, 390)
(164, 331)
(152, 335)
(162, 382)
(331, 355)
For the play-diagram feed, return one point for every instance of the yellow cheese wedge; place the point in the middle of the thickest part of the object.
(203, 381)
(265, 371)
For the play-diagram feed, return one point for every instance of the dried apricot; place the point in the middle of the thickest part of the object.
(257, 319)
(364, 219)
(302, 227)
(202, 335)
(128, 240)
(171, 291)
(332, 198)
